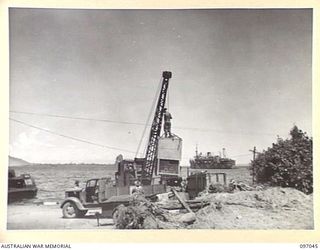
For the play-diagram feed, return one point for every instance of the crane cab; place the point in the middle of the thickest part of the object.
(168, 160)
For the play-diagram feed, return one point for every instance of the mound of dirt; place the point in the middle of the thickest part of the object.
(273, 208)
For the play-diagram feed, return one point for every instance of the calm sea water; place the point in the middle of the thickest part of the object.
(53, 180)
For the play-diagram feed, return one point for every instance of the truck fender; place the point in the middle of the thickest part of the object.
(75, 201)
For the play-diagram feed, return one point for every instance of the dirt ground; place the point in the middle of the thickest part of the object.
(30, 216)
(273, 208)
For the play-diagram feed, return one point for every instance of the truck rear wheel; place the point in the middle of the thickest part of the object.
(70, 210)
(117, 212)
(115, 215)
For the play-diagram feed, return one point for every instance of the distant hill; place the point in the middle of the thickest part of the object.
(16, 162)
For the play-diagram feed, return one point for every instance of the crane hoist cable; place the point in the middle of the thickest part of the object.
(168, 100)
(148, 119)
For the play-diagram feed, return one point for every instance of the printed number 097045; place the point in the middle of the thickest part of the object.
(308, 245)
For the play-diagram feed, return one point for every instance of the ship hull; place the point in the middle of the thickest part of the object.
(201, 164)
(210, 167)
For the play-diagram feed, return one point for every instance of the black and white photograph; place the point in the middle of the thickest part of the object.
(160, 119)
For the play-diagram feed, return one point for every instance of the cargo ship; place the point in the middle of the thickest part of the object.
(210, 161)
(20, 187)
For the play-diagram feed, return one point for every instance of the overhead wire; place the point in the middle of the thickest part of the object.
(224, 131)
(144, 124)
(76, 118)
(71, 137)
(89, 142)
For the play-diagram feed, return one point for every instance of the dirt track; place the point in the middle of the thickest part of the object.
(29, 216)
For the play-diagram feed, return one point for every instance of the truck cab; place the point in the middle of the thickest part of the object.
(88, 194)
(78, 200)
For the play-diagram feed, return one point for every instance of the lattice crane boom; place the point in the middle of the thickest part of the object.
(152, 148)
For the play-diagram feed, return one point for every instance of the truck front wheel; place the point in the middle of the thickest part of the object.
(70, 210)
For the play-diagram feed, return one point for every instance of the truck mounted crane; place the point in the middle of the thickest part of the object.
(106, 194)
(147, 168)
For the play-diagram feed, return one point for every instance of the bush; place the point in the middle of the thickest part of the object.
(288, 163)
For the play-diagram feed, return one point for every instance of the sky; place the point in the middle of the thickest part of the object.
(240, 78)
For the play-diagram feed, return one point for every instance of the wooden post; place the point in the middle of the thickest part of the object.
(183, 203)
(254, 157)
